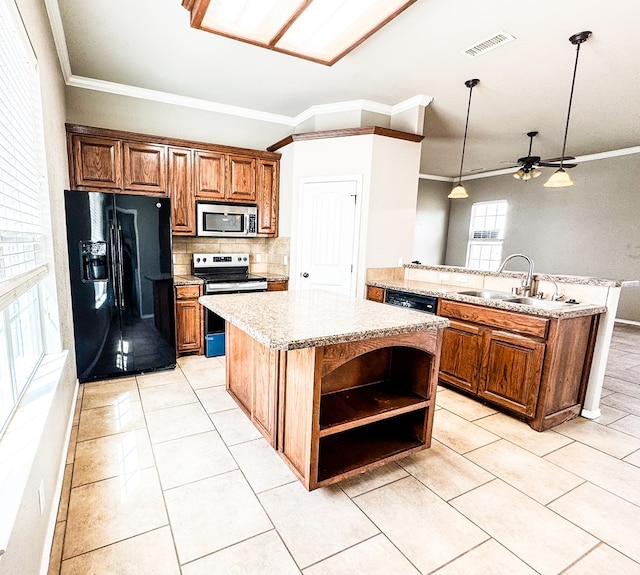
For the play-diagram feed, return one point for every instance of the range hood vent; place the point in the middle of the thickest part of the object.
(487, 44)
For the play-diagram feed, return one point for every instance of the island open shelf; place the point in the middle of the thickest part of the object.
(337, 405)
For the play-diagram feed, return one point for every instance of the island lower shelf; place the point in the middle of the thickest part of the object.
(334, 411)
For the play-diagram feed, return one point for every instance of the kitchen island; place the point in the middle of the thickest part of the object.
(337, 385)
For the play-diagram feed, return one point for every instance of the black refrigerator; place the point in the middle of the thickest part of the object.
(121, 272)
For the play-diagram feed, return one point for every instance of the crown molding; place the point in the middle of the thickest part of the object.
(57, 29)
(177, 100)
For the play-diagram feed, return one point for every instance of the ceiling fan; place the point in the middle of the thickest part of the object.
(529, 164)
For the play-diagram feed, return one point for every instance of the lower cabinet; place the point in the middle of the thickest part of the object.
(512, 371)
(335, 411)
(189, 320)
(461, 355)
(375, 294)
(278, 285)
(533, 367)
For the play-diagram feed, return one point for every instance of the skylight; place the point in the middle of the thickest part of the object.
(319, 30)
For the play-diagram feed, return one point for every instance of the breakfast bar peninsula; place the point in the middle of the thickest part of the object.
(337, 385)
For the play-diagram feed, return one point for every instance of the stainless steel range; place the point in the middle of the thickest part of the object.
(226, 273)
(223, 273)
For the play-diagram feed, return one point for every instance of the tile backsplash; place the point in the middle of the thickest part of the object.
(267, 255)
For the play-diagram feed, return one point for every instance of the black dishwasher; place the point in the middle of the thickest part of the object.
(415, 301)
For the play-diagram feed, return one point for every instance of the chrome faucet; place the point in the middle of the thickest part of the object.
(526, 285)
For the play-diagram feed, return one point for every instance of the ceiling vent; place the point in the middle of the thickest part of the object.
(487, 44)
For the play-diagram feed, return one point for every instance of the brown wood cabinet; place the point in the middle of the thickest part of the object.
(111, 160)
(95, 163)
(144, 168)
(277, 285)
(534, 367)
(189, 320)
(181, 191)
(335, 411)
(210, 175)
(375, 294)
(242, 179)
(267, 197)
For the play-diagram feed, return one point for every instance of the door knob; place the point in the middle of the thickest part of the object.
(305, 275)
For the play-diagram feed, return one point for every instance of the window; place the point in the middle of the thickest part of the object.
(22, 194)
(486, 233)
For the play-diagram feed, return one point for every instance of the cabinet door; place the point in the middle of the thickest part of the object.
(461, 355)
(242, 179)
(512, 368)
(183, 207)
(209, 175)
(278, 285)
(375, 294)
(267, 198)
(265, 378)
(189, 332)
(145, 168)
(97, 163)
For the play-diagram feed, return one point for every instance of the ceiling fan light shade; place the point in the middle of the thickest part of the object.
(458, 193)
(559, 179)
(535, 172)
(520, 174)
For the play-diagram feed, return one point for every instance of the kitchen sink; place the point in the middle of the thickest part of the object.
(486, 294)
(535, 302)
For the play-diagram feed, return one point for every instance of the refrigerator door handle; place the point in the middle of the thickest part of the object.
(115, 266)
(120, 267)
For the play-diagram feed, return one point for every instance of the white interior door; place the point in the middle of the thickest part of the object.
(328, 235)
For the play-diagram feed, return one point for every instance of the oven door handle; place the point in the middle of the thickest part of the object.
(236, 287)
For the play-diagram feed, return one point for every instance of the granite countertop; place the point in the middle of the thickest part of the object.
(186, 280)
(271, 277)
(298, 319)
(452, 293)
(581, 280)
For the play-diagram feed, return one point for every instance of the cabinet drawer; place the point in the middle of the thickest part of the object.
(187, 292)
(521, 323)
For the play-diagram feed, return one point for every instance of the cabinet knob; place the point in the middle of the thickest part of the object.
(305, 275)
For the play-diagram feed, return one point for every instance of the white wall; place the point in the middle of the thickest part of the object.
(30, 538)
(388, 168)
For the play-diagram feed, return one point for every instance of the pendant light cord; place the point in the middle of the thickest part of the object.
(573, 83)
(471, 84)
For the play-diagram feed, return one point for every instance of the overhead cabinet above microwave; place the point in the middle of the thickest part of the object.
(185, 171)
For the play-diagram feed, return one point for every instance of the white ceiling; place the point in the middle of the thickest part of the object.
(524, 85)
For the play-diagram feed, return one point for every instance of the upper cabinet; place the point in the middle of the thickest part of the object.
(95, 163)
(267, 197)
(210, 175)
(144, 168)
(181, 190)
(187, 172)
(242, 179)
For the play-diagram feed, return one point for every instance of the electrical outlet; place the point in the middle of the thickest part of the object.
(285, 260)
(41, 499)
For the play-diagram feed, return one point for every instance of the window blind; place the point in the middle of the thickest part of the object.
(21, 154)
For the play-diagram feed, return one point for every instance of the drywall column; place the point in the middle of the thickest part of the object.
(388, 165)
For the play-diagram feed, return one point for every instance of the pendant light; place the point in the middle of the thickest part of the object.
(459, 192)
(560, 178)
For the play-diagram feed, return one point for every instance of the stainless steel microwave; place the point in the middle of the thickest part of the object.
(226, 220)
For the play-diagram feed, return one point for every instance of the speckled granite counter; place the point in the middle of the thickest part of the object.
(299, 319)
(337, 385)
(453, 293)
(271, 277)
(186, 280)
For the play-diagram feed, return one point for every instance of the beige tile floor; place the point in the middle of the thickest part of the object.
(166, 475)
